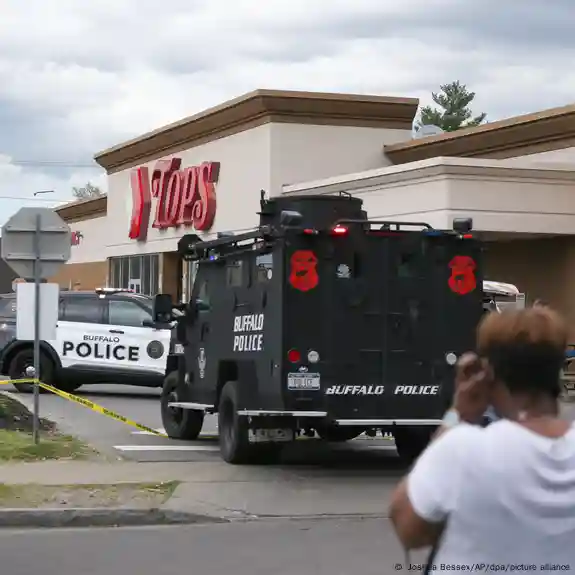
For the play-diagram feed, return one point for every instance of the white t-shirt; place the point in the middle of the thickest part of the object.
(508, 495)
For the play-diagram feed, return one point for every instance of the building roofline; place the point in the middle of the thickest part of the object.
(83, 209)
(546, 130)
(257, 108)
(360, 182)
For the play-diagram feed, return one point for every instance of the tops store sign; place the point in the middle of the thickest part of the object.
(76, 238)
(184, 197)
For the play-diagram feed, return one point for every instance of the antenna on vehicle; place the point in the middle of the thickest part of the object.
(262, 199)
(346, 194)
(427, 130)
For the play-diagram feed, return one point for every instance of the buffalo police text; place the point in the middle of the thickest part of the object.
(102, 347)
(249, 328)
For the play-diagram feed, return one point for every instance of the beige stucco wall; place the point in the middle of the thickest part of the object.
(500, 196)
(87, 264)
(542, 268)
(90, 248)
(303, 152)
(87, 276)
(566, 155)
(260, 158)
(244, 171)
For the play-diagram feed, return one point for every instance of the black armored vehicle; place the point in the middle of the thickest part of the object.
(323, 321)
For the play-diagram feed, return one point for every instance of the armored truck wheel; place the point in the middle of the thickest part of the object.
(233, 428)
(337, 434)
(410, 442)
(179, 423)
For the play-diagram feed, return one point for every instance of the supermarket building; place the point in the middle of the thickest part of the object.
(515, 178)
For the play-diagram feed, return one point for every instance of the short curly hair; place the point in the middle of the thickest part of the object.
(525, 348)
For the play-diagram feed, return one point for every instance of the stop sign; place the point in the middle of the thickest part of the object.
(36, 235)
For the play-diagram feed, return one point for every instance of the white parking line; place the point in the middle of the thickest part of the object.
(166, 447)
(162, 430)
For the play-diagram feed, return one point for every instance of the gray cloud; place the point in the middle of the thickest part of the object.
(78, 77)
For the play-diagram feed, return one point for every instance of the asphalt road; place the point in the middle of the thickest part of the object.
(335, 547)
(142, 405)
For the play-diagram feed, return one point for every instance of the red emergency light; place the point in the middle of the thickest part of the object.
(339, 230)
(294, 356)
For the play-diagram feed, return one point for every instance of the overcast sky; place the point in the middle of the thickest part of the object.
(79, 76)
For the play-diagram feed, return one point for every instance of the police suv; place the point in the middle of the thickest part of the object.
(102, 336)
(321, 320)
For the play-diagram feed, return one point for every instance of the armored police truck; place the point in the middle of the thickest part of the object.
(321, 321)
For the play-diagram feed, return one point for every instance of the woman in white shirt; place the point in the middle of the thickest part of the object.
(501, 497)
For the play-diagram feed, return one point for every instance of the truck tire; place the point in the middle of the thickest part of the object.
(21, 361)
(410, 442)
(178, 423)
(336, 434)
(233, 428)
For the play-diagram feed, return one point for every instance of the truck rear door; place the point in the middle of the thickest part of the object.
(434, 304)
(386, 312)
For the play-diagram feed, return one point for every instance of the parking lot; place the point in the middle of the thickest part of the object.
(142, 405)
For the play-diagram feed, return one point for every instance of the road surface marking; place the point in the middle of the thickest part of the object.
(161, 430)
(157, 430)
(166, 447)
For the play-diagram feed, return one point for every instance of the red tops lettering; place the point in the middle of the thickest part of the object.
(76, 238)
(185, 197)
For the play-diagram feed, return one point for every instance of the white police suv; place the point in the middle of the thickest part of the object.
(104, 336)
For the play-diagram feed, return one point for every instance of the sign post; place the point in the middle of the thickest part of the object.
(36, 242)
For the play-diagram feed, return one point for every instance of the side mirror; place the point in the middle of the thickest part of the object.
(148, 323)
(462, 225)
(162, 308)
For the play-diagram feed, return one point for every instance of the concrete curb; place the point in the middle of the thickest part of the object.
(100, 517)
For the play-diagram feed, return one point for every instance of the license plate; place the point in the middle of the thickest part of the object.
(303, 381)
(271, 435)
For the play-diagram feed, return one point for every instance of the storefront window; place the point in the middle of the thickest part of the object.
(139, 273)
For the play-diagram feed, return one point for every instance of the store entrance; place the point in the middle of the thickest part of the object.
(135, 285)
(171, 275)
(139, 273)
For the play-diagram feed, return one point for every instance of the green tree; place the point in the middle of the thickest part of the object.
(88, 191)
(454, 99)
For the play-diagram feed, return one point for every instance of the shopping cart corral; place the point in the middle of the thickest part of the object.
(498, 296)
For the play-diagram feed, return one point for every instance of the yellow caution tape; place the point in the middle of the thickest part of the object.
(87, 403)
(105, 411)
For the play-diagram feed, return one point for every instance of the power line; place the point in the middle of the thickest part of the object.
(54, 164)
(35, 199)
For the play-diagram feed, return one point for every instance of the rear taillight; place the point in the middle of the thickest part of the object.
(339, 231)
(294, 356)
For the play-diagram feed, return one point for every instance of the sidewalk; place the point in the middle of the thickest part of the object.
(90, 472)
(219, 490)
